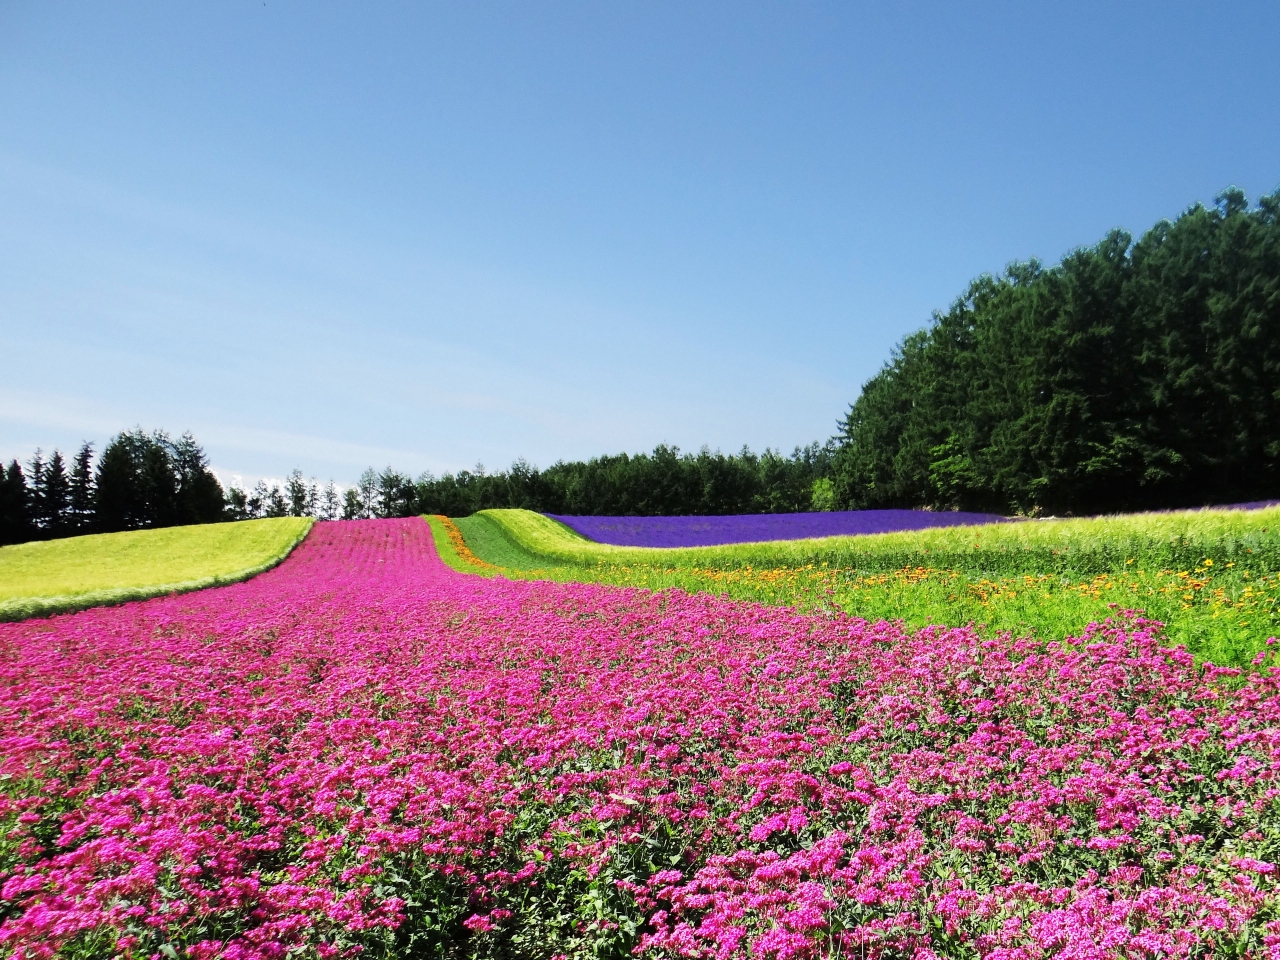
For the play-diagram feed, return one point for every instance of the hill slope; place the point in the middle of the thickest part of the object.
(1211, 576)
(61, 575)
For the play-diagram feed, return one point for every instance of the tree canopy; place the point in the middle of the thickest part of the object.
(665, 482)
(1129, 376)
(141, 480)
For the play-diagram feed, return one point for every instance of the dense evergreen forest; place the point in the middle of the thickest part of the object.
(1130, 376)
(141, 480)
(663, 483)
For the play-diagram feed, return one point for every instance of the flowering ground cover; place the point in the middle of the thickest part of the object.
(753, 528)
(1212, 577)
(77, 572)
(363, 751)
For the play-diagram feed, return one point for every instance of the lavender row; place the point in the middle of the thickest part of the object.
(752, 528)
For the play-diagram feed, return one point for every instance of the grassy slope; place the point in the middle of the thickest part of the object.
(1098, 545)
(1210, 576)
(460, 557)
(56, 576)
(492, 542)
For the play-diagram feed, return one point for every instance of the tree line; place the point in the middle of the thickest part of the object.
(151, 480)
(1128, 376)
(140, 480)
(665, 482)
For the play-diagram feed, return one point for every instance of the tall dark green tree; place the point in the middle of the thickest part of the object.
(53, 508)
(121, 499)
(664, 482)
(148, 480)
(35, 491)
(276, 505)
(198, 497)
(15, 506)
(141, 480)
(303, 495)
(82, 489)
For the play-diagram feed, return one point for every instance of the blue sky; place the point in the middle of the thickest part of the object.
(337, 235)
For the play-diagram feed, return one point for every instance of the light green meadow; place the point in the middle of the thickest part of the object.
(56, 576)
(1212, 577)
(1175, 540)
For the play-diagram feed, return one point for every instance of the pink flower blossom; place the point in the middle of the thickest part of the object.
(362, 746)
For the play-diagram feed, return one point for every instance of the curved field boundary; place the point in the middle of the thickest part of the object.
(61, 576)
(1087, 546)
(453, 549)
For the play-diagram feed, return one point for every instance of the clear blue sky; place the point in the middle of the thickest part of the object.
(339, 235)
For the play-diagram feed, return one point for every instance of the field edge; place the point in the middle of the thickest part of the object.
(1068, 546)
(30, 608)
(451, 553)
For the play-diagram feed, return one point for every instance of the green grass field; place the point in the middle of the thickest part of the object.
(56, 576)
(1210, 576)
(1096, 545)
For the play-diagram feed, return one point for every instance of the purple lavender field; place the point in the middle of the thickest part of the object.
(750, 528)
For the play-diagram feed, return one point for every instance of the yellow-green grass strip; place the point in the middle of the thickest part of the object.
(1176, 540)
(58, 576)
(1176, 569)
(1034, 579)
(454, 550)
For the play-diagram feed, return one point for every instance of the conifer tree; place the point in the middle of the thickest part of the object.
(55, 499)
(160, 480)
(81, 513)
(276, 505)
(237, 505)
(199, 497)
(120, 501)
(256, 505)
(331, 504)
(15, 503)
(352, 507)
(302, 495)
(35, 492)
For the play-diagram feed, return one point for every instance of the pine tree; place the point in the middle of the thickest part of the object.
(199, 496)
(256, 505)
(82, 489)
(35, 495)
(117, 499)
(331, 505)
(237, 507)
(15, 506)
(368, 493)
(352, 507)
(160, 482)
(1129, 376)
(55, 502)
(302, 495)
(276, 505)
(136, 484)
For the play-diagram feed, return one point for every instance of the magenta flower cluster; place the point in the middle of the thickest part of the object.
(363, 752)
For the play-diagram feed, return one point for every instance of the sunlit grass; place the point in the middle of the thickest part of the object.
(1223, 605)
(1177, 540)
(77, 572)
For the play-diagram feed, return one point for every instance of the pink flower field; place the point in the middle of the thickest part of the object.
(363, 752)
